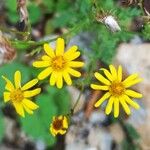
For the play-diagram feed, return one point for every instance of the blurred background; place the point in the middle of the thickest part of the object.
(28, 24)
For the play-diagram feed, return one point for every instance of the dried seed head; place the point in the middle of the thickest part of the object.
(7, 52)
(109, 21)
(22, 9)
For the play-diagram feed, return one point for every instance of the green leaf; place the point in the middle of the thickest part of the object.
(132, 132)
(34, 13)
(40, 121)
(1, 126)
(52, 102)
(8, 70)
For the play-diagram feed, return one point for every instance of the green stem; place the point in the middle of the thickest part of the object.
(77, 101)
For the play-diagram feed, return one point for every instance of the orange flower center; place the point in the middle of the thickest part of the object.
(58, 63)
(58, 124)
(117, 89)
(16, 95)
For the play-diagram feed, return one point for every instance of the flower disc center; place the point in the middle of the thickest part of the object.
(16, 95)
(58, 63)
(58, 124)
(117, 89)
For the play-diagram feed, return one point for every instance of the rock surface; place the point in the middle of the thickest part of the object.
(136, 58)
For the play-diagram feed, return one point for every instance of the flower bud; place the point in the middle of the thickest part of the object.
(110, 22)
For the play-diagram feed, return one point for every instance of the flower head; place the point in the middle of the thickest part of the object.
(117, 90)
(19, 95)
(59, 64)
(59, 125)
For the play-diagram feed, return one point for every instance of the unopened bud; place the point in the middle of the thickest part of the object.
(110, 22)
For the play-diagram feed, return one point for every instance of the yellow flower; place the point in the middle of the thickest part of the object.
(117, 90)
(59, 125)
(59, 64)
(19, 96)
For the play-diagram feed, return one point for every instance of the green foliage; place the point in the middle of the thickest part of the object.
(52, 102)
(132, 132)
(146, 31)
(34, 13)
(8, 70)
(1, 126)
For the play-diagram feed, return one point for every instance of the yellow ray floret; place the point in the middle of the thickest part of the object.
(58, 64)
(19, 95)
(117, 91)
(59, 125)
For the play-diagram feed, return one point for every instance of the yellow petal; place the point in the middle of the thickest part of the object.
(60, 47)
(29, 84)
(45, 73)
(53, 78)
(17, 79)
(130, 78)
(101, 78)
(59, 81)
(101, 100)
(124, 105)
(46, 58)
(19, 109)
(28, 110)
(99, 87)
(6, 96)
(71, 51)
(76, 64)
(74, 72)
(31, 93)
(62, 132)
(30, 104)
(116, 107)
(132, 82)
(52, 131)
(48, 50)
(9, 86)
(73, 56)
(120, 73)
(113, 72)
(109, 105)
(67, 78)
(131, 102)
(65, 122)
(41, 64)
(107, 74)
(133, 94)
